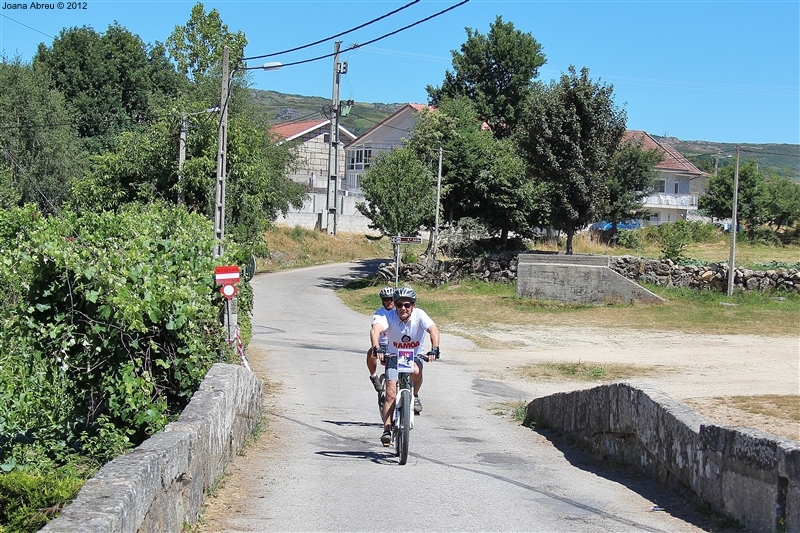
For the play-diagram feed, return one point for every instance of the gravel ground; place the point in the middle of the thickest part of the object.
(693, 368)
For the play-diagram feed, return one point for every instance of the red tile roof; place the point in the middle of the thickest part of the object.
(672, 159)
(293, 129)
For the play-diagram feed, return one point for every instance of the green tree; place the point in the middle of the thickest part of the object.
(40, 152)
(629, 180)
(782, 201)
(197, 47)
(571, 132)
(494, 71)
(717, 201)
(399, 194)
(113, 80)
(482, 177)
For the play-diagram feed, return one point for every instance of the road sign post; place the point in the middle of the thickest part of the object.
(227, 276)
(397, 240)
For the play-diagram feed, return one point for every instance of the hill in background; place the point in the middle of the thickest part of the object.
(783, 159)
(280, 107)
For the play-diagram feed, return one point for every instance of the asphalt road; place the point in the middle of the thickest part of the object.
(320, 465)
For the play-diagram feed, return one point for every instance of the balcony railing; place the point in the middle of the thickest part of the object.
(678, 200)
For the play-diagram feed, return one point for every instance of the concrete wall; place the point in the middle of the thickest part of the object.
(576, 279)
(746, 474)
(162, 483)
(308, 217)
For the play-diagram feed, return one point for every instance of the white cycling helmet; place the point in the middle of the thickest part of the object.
(387, 292)
(406, 293)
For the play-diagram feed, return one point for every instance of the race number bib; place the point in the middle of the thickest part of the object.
(405, 361)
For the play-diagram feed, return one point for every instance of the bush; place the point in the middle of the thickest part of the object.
(28, 501)
(673, 238)
(630, 238)
(117, 324)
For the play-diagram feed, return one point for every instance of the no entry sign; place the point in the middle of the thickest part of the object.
(226, 275)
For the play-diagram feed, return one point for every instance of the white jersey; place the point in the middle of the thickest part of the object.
(382, 311)
(405, 335)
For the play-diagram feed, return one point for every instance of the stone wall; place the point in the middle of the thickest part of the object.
(665, 273)
(161, 484)
(711, 277)
(746, 474)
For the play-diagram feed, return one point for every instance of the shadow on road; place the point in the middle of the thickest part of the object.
(664, 499)
(375, 457)
(360, 269)
(353, 424)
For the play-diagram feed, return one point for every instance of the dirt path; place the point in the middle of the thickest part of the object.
(693, 368)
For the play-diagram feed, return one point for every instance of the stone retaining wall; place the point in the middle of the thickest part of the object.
(161, 484)
(746, 474)
(711, 277)
(504, 267)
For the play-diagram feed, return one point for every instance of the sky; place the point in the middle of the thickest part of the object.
(721, 71)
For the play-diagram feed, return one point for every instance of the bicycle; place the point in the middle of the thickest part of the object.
(403, 420)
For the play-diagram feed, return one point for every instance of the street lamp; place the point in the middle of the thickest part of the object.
(222, 147)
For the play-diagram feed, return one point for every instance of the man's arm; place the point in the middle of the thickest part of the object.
(375, 333)
(433, 331)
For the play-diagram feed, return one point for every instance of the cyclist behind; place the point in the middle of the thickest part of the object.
(386, 308)
(405, 329)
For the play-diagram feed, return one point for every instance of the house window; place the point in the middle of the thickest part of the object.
(654, 218)
(359, 158)
(676, 187)
(326, 138)
(354, 181)
(662, 185)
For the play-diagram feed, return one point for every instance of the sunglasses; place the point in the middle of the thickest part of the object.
(405, 305)
(389, 299)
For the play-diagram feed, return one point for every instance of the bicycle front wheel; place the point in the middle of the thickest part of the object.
(405, 425)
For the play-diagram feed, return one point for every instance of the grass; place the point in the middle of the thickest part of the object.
(297, 247)
(582, 371)
(476, 303)
(516, 411)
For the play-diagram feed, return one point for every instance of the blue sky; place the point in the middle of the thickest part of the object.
(724, 71)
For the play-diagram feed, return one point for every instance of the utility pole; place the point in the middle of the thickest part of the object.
(734, 225)
(438, 196)
(333, 147)
(182, 154)
(222, 160)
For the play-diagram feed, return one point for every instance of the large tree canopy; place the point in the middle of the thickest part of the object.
(482, 177)
(717, 201)
(113, 80)
(495, 71)
(40, 152)
(197, 47)
(571, 131)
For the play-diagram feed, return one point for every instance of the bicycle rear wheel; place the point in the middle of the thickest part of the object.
(405, 425)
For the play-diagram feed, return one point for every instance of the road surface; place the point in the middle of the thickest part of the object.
(319, 466)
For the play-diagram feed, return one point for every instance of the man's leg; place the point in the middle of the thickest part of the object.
(388, 410)
(416, 381)
(372, 366)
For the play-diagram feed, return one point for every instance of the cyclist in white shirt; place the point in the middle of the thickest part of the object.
(387, 307)
(405, 329)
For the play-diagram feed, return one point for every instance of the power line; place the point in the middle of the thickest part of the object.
(395, 32)
(333, 36)
(29, 27)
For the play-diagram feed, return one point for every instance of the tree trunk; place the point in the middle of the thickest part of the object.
(570, 234)
(504, 238)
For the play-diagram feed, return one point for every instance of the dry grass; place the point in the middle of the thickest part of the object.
(777, 414)
(298, 247)
(719, 251)
(585, 371)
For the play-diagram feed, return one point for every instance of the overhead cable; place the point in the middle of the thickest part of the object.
(355, 46)
(332, 36)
